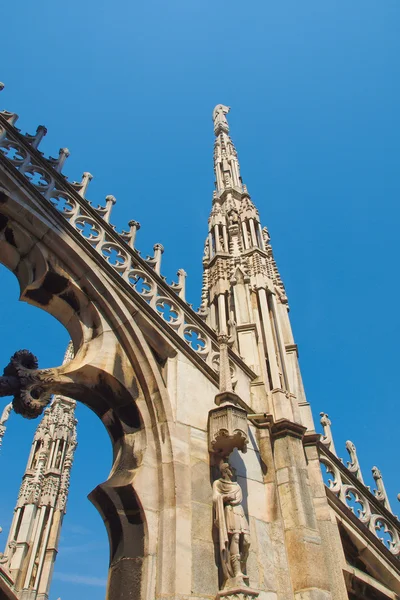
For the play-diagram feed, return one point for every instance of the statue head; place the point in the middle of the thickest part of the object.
(226, 470)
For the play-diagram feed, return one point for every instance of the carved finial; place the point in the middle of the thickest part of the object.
(83, 185)
(327, 438)
(225, 380)
(380, 492)
(354, 465)
(58, 163)
(110, 201)
(134, 227)
(219, 118)
(35, 140)
(182, 283)
(158, 251)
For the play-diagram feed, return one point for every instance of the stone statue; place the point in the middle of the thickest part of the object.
(3, 420)
(58, 459)
(233, 528)
(219, 118)
(6, 413)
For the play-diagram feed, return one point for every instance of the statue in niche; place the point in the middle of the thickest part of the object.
(58, 459)
(35, 458)
(233, 217)
(233, 528)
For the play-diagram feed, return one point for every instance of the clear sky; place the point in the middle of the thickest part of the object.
(129, 88)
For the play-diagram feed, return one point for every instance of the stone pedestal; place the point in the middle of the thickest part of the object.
(241, 592)
(227, 425)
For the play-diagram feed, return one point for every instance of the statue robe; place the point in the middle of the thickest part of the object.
(229, 517)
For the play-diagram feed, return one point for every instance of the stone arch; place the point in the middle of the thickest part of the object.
(115, 373)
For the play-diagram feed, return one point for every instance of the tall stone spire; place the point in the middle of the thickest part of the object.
(243, 294)
(31, 548)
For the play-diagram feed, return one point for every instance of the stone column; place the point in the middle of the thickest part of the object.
(253, 232)
(261, 237)
(216, 236)
(269, 339)
(50, 556)
(210, 245)
(308, 572)
(245, 237)
(222, 314)
(225, 236)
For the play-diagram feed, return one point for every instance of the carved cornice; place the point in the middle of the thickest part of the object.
(292, 348)
(285, 427)
(311, 438)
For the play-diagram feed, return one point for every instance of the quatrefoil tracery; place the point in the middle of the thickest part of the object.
(44, 181)
(13, 152)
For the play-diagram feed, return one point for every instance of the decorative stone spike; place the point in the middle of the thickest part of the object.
(227, 424)
(380, 492)
(180, 286)
(62, 157)
(35, 140)
(354, 466)
(58, 163)
(158, 251)
(182, 283)
(110, 201)
(134, 228)
(327, 438)
(81, 187)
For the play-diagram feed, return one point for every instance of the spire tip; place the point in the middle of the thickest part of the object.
(219, 118)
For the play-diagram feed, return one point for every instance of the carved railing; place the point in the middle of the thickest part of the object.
(116, 249)
(347, 484)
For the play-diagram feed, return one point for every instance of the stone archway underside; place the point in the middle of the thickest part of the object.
(114, 372)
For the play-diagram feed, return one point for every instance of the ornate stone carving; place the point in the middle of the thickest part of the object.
(22, 380)
(233, 532)
(327, 438)
(380, 492)
(353, 465)
(227, 424)
(219, 118)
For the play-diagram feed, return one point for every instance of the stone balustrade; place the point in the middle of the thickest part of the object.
(347, 484)
(116, 249)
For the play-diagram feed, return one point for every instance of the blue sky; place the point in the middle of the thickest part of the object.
(129, 88)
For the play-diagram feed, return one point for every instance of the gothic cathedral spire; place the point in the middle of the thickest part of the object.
(32, 543)
(243, 294)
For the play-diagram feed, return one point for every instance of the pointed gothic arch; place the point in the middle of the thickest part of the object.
(114, 372)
